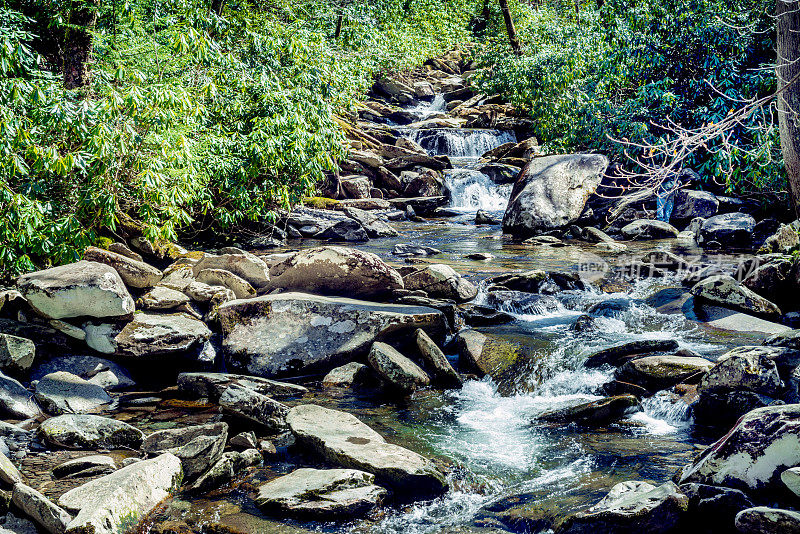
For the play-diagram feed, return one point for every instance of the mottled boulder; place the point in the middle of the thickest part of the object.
(725, 291)
(791, 479)
(248, 404)
(599, 412)
(396, 369)
(82, 431)
(347, 376)
(336, 271)
(322, 494)
(226, 469)
(42, 510)
(290, 332)
(148, 335)
(649, 229)
(655, 373)
(243, 264)
(133, 272)
(744, 368)
(441, 281)
(16, 354)
(690, 204)
(104, 373)
(551, 192)
(61, 392)
(630, 508)
(765, 520)
(162, 298)
(212, 385)
(220, 277)
(785, 240)
(82, 289)
(764, 443)
(117, 502)
(15, 400)
(727, 230)
(198, 447)
(436, 361)
(342, 439)
(8, 473)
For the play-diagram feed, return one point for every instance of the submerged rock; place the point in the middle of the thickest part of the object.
(82, 431)
(342, 439)
(599, 412)
(198, 447)
(396, 369)
(322, 494)
(117, 502)
(81, 289)
(290, 332)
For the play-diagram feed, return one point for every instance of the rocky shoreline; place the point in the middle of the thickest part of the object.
(243, 340)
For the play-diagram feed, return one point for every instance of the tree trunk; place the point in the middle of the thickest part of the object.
(78, 44)
(216, 6)
(512, 31)
(788, 72)
(339, 21)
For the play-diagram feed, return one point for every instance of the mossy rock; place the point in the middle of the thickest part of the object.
(320, 203)
(103, 242)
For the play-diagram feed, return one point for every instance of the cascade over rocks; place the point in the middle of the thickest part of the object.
(278, 334)
(551, 192)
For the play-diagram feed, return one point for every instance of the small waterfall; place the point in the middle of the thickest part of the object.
(461, 143)
(473, 190)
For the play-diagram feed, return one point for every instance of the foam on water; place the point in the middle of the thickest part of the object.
(460, 142)
(472, 190)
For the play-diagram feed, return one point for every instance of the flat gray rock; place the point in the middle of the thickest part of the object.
(15, 400)
(61, 392)
(248, 404)
(396, 369)
(83, 431)
(71, 467)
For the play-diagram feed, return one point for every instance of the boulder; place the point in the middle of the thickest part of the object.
(484, 217)
(82, 289)
(248, 404)
(732, 230)
(766, 520)
(226, 469)
(436, 361)
(97, 463)
(16, 354)
(372, 223)
(347, 376)
(148, 335)
(441, 281)
(16, 401)
(104, 373)
(785, 241)
(500, 173)
(133, 272)
(396, 369)
(655, 373)
(714, 506)
(744, 368)
(690, 204)
(791, 479)
(322, 494)
(212, 385)
(91, 432)
(722, 408)
(725, 291)
(631, 508)
(764, 443)
(220, 277)
(551, 192)
(198, 447)
(246, 266)
(8, 473)
(594, 413)
(40, 509)
(163, 298)
(348, 230)
(619, 354)
(537, 281)
(494, 356)
(61, 392)
(117, 502)
(290, 332)
(200, 292)
(649, 229)
(342, 439)
(391, 87)
(336, 271)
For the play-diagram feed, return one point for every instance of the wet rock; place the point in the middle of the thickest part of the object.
(244, 440)
(551, 192)
(374, 225)
(744, 368)
(114, 503)
(722, 408)
(655, 373)
(791, 479)
(713, 508)
(690, 204)
(246, 403)
(764, 443)
(789, 339)
(336, 270)
(630, 508)
(133, 272)
(440, 280)
(8, 473)
(407, 250)
(198, 447)
(765, 520)
(104, 373)
(537, 281)
(226, 469)
(73, 467)
(322, 494)
(480, 256)
(599, 412)
(734, 321)
(733, 230)
(436, 361)
(490, 355)
(220, 277)
(212, 385)
(426, 184)
(289, 332)
(785, 240)
(15, 400)
(727, 292)
(584, 323)
(619, 354)
(10, 524)
(61, 392)
(16, 354)
(148, 335)
(649, 229)
(162, 298)
(485, 316)
(343, 440)
(769, 277)
(347, 376)
(91, 432)
(40, 509)
(347, 230)
(484, 217)
(79, 289)
(400, 372)
(523, 303)
(420, 205)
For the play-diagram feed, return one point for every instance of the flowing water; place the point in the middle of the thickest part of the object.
(505, 470)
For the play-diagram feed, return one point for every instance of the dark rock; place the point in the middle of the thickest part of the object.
(595, 413)
(619, 354)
